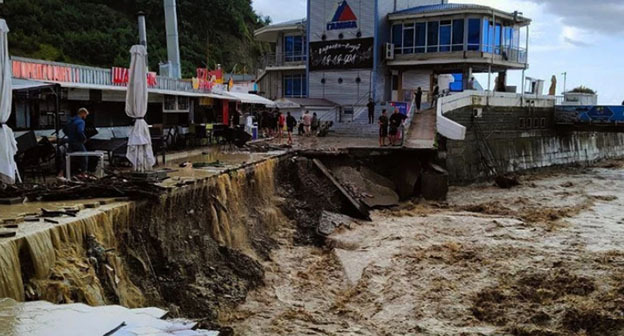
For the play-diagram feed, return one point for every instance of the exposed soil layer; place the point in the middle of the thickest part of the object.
(542, 258)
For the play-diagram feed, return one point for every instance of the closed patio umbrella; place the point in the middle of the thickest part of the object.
(8, 145)
(140, 151)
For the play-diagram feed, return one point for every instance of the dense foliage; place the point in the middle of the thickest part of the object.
(101, 32)
(583, 89)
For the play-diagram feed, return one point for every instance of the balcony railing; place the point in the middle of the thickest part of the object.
(510, 54)
(26, 68)
(284, 59)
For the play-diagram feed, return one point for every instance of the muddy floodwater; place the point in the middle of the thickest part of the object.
(544, 258)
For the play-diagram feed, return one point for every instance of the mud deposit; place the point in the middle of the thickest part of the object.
(543, 258)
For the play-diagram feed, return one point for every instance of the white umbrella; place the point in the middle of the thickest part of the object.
(140, 151)
(8, 145)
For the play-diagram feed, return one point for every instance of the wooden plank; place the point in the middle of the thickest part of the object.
(361, 208)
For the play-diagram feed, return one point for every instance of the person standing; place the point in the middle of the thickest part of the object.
(383, 128)
(307, 123)
(418, 99)
(396, 121)
(316, 124)
(471, 83)
(76, 138)
(291, 123)
(281, 122)
(371, 111)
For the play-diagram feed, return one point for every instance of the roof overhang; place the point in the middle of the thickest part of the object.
(82, 86)
(271, 33)
(22, 85)
(248, 98)
(483, 10)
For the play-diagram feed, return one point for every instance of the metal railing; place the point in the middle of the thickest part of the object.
(27, 68)
(511, 54)
(284, 59)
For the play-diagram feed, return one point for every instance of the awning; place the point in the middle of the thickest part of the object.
(248, 98)
(25, 84)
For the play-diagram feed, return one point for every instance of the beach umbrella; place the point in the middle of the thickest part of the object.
(140, 151)
(8, 145)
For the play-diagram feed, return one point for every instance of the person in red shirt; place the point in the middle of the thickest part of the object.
(281, 122)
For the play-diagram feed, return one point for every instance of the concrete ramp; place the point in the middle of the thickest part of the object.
(422, 130)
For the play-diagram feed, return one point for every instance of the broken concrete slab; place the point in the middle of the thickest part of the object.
(374, 190)
(359, 206)
(331, 221)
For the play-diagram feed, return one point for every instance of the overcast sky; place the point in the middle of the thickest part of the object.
(584, 38)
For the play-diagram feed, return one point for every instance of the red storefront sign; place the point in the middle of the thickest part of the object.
(46, 72)
(121, 77)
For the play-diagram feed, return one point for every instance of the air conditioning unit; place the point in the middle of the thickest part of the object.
(390, 51)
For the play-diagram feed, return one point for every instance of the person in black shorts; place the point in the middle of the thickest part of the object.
(291, 123)
(396, 120)
(383, 128)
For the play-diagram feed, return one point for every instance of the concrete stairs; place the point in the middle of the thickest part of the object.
(359, 126)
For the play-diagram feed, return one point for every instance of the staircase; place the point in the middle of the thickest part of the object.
(359, 126)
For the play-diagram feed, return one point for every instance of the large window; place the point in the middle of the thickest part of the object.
(397, 38)
(486, 43)
(445, 35)
(474, 34)
(294, 48)
(453, 35)
(295, 86)
(432, 36)
(458, 35)
(408, 38)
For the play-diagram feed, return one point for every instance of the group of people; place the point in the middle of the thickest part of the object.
(390, 128)
(273, 123)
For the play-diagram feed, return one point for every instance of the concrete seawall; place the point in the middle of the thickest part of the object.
(513, 139)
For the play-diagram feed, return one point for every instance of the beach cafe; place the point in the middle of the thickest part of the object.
(181, 112)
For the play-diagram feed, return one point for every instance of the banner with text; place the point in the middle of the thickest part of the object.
(343, 54)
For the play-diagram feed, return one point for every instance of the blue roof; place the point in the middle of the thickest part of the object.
(439, 8)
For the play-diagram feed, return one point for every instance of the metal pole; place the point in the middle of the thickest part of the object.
(526, 61)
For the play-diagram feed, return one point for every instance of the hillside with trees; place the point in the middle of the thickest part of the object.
(101, 32)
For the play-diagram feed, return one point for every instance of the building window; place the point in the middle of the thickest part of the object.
(474, 34)
(486, 43)
(497, 39)
(432, 36)
(295, 86)
(397, 38)
(408, 39)
(458, 35)
(445, 35)
(294, 48)
(421, 37)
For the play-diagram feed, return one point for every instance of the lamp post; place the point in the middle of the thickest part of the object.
(565, 79)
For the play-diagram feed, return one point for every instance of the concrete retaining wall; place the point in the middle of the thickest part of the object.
(521, 139)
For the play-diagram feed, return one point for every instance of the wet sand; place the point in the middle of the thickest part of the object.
(545, 258)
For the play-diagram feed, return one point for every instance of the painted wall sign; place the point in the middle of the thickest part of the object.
(343, 54)
(589, 114)
(344, 18)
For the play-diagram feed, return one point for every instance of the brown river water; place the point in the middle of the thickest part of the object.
(545, 258)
